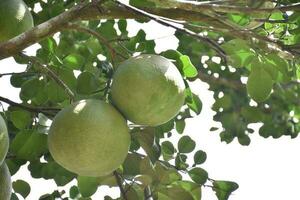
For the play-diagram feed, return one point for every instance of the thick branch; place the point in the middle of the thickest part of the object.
(205, 7)
(88, 12)
(39, 32)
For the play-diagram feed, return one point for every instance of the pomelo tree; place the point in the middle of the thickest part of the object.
(246, 51)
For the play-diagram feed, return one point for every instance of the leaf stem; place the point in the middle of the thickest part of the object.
(119, 182)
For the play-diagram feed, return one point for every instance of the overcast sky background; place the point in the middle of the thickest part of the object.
(267, 169)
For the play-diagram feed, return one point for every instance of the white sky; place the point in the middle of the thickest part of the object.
(267, 169)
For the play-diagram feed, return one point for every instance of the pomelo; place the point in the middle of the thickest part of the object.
(4, 141)
(15, 18)
(89, 137)
(148, 89)
(5, 182)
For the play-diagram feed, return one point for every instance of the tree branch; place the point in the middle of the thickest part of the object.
(99, 37)
(208, 41)
(202, 7)
(30, 108)
(87, 12)
(34, 35)
(119, 182)
(49, 72)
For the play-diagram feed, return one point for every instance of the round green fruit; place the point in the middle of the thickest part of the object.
(5, 182)
(89, 137)
(15, 18)
(148, 90)
(4, 141)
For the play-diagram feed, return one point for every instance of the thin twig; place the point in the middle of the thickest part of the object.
(159, 20)
(119, 182)
(48, 71)
(30, 108)
(17, 73)
(99, 37)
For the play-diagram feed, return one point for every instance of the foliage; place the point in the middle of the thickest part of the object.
(79, 62)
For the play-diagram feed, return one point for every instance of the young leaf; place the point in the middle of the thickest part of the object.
(189, 70)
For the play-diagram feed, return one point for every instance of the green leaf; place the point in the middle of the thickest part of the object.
(171, 54)
(238, 52)
(87, 185)
(259, 84)
(193, 101)
(141, 3)
(21, 119)
(199, 157)
(186, 144)
(29, 145)
(193, 188)
(134, 191)
(74, 192)
(30, 88)
(21, 187)
(252, 114)
(223, 189)
(174, 193)
(74, 61)
(198, 175)
(180, 125)
(146, 138)
(131, 165)
(87, 83)
(167, 148)
(180, 162)
(244, 139)
(189, 70)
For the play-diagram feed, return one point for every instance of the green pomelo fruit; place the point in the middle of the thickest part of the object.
(4, 141)
(148, 89)
(89, 137)
(15, 18)
(5, 182)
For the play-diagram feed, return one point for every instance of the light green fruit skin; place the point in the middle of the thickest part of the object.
(90, 138)
(148, 90)
(4, 140)
(15, 18)
(5, 182)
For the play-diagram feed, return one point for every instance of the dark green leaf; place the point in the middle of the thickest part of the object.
(224, 189)
(180, 125)
(186, 144)
(199, 157)
(198, 175)
(21, 187)
(87, 185)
